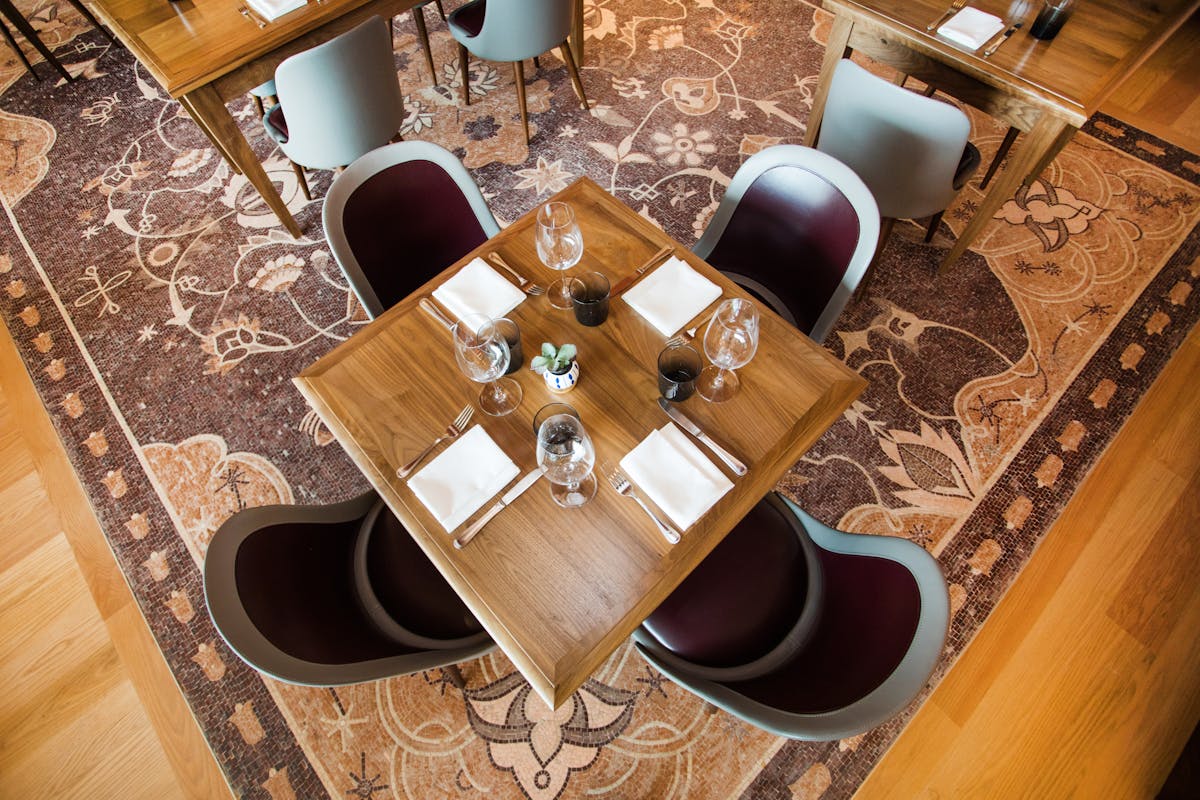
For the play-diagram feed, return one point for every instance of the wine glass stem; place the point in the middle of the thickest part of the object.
(719, 380)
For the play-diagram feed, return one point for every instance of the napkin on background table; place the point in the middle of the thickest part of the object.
(478, 289)
(670, 296)
(971, 28)
(463, 477)
(670, 469)
(274, 9)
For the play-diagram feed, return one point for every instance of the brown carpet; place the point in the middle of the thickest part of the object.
(162, 312)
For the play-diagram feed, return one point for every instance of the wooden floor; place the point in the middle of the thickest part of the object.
(1085, 682)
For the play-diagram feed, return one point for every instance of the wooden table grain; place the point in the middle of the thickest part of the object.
(559, 589)
(205, 54)
(1047, 89)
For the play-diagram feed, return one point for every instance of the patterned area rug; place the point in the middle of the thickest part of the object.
(162, 312)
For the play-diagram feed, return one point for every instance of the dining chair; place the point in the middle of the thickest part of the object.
(912, 151)
(337, 100)
(513, 30)
(797, 229)
(18, 21)
(398, 216)
(883, 620)
(336, 594)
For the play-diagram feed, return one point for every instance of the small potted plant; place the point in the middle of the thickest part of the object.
(557, 366)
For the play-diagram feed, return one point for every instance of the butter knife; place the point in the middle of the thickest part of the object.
(628, 280)
(1011, 30)
(512, 494)
(429, 308)
(682, 421)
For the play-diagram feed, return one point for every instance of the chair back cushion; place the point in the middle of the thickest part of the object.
(511, 30)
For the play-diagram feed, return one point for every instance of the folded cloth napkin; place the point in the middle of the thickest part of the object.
(478, 289)
(273, 9)
(463, 477)
(671, 295)
(971, 28)
(672, 472)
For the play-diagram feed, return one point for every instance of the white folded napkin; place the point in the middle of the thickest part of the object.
(672, 472)
(463, 477)
(478, 289)
(971, 27)
(273, 9)
(672, 295)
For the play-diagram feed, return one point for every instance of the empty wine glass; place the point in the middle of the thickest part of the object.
(566, 456)
(559, 246)
(730, 342)
(482, 354)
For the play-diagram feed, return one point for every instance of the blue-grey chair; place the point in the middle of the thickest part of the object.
(513, 30)
(331, 595)
(796, 228)
(337, 101)
(398, 216)
(883, 617)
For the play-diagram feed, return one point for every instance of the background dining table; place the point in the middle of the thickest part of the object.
(560, 589)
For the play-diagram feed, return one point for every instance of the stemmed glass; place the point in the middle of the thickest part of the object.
(566, 455)
(559, 246)
(730, 342)
(482, 354)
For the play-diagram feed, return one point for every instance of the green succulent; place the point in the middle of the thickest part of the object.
(553, 359)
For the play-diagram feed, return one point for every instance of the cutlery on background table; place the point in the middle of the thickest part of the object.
(1004, 38)
(453, 431)
(628, 280)
(955, 6)
(619, 482)
(505, 500)
(679, 339)
(253, 17)
(429, 308)
(526, 285)
(684, 422)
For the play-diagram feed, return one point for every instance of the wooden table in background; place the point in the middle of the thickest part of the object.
(1047, 89)
(558, 589)
(207, 53)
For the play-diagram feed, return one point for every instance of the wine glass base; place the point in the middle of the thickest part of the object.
(500, 397)
(559, 294)
(574, 496)
(717, 385)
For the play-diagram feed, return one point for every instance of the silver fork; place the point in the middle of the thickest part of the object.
(955, 6)
(527, 286)
(624, 487)
(453, 431)
(679, 340)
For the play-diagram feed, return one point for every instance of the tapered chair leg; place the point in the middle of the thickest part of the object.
(441, 10)
(464, 65)
(1009, 138)
(418, 14)
(299, 170)
(934, 221)
(22, 25)
(569, 57)
(519, 77)
(536, 64)
(885, 231)
(258, 104)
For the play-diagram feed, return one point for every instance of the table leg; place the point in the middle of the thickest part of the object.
(216, 142)
(577, 33)
(209, 111)
(1040, 141)
(836, 49)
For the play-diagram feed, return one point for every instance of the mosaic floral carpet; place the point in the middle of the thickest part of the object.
(162, 312)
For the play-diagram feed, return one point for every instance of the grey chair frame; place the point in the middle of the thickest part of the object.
(839, 175)
(369, 165)
(886, 700)
(244, 638)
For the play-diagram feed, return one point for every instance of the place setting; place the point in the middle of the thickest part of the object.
(974, 29)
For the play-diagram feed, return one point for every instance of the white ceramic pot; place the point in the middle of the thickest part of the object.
(563, 382)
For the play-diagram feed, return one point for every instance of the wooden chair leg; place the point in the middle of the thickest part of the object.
(441, 10)
(418, 14)
(392, 29)
(885, 232)
(258, 104)
(463, 57)
(536, 64)
(1009, 138)
(299, 170)
(17, 49)
(934, 221)
(569, 57)
(519, 76)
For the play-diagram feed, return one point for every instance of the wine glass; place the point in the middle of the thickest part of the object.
(730, 342)
(559, 246)
(566, 455)
(482, 354)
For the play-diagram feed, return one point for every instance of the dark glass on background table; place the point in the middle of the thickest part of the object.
(1051, 18)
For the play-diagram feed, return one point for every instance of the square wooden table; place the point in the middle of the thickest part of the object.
(1047, 89)
(207, 53)
(559, 589)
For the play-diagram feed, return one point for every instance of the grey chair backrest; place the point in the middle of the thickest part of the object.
(400, 215)
(798, 228)
(906, 147)
(341, 98)
(514, 30)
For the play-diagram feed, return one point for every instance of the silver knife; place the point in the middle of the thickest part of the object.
(520, 486)
(1011, 30)
(681, 419)
(429, 308)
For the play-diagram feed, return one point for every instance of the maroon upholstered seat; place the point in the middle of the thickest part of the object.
(470, 17)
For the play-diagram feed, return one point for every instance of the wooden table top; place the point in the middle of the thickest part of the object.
(560, 589)
(1072, 74)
